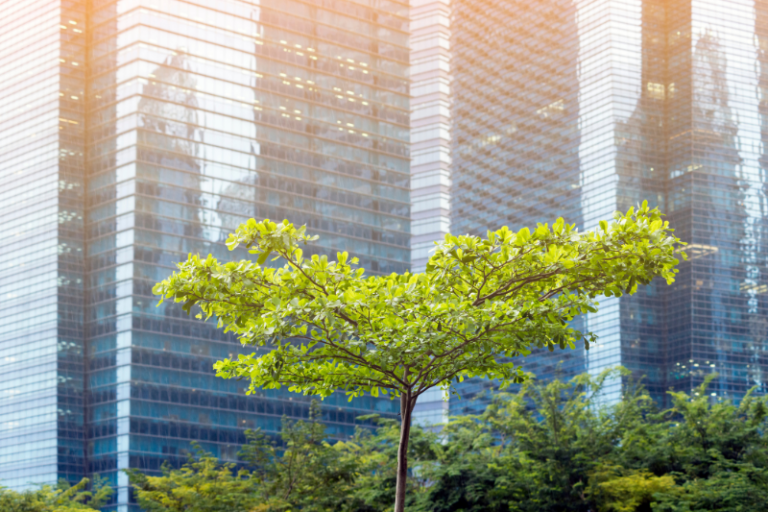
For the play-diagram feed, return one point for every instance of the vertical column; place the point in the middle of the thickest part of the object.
(123, 397)
(610, 67)
(41, 314)
(430, 126)
(125, 209)
(430, 151)
(71, 419)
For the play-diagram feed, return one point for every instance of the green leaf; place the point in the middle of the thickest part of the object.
(263, 257)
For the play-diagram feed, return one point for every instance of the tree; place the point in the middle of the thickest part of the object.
(534, 450)
(62, 498)
(304, 473)
(717, 452)
(552, 448)
(203, 484)
(480, 304)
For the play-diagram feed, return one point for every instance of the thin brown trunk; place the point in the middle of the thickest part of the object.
(406, 408)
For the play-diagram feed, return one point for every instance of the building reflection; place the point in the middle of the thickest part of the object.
(203, 116)
(516, 132)
(661, 101)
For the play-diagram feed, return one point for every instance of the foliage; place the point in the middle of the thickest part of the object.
(310, 474)
(62, 498)
(549, 447)
(553, 447)
(330, 327)
(479, 305)
(717, 452)
(617, 490)
(533, 450)
(304, 473)
(375, 454)
(203, 484)
(724, 491)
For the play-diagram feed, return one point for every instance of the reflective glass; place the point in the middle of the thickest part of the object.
(199, 116)
(578, 108)
(41, 243)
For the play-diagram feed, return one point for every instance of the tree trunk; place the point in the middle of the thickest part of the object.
(406, 408)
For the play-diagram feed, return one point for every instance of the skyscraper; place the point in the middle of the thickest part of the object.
(42, 271)
(716, 194)
(579, 108)
(138, 132)
(430, 151)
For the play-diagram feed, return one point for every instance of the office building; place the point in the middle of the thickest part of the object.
(430, 152)
(579, 108)
(42, 271)
(135, 132)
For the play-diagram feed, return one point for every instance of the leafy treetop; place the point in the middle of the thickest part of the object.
(480, 303)
(61, 498)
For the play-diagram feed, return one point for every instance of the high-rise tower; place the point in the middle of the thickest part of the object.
(42, 139)
(717, 128)
(192, 116)
(579, 108)
(430, 151)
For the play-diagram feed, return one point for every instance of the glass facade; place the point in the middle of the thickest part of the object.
(578, 108)
(199, 116)
(430, 152)
(516, 137)
(42, 82)
(717, 194)
(430, 127)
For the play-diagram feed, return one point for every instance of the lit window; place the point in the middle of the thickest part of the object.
(656, 91)
(553, 109)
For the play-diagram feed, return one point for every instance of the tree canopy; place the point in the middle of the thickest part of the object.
(548, 447)
(553, 447)
(59, 498)
(480, 304)
(304, 472)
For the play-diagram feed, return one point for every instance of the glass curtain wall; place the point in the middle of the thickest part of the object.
(716, 190)
(203, 115)
(515, 131)
(578, 108)
(42, 72)
(199, 116)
